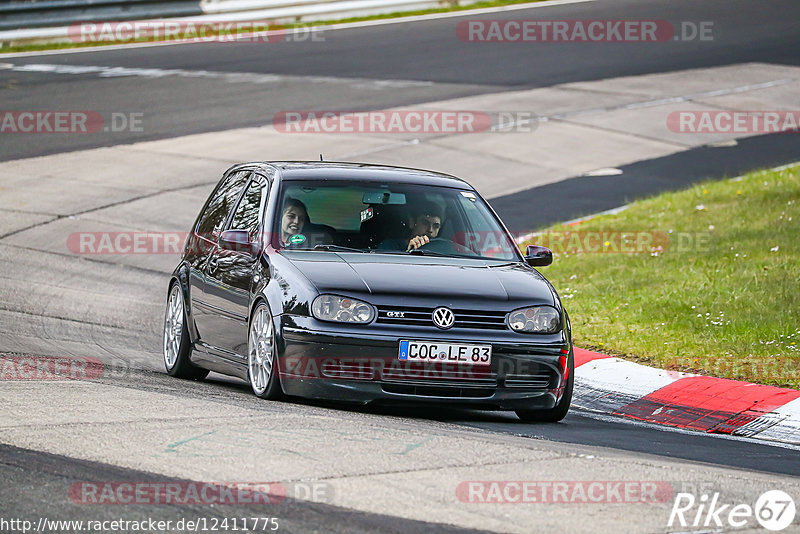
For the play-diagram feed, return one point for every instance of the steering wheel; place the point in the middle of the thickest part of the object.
(445, 246)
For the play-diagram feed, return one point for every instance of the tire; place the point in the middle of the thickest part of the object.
(262, 369)
(559, 411)
(176, 345)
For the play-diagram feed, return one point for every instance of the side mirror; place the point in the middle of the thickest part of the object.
(537, 256)
(239, 241)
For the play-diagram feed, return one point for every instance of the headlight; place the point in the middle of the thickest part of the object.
(535, 320)
(341, 309)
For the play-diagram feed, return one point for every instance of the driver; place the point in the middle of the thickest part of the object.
(426, 221)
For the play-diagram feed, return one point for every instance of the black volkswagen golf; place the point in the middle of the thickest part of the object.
(365, 283)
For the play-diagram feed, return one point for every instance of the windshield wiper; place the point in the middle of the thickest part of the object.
(422, 252)
(338, 248)
(414, 251)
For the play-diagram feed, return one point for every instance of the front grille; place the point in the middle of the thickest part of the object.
(348, 370)
(438, 391)
(415, 316)
(431, 372)
(539, 380)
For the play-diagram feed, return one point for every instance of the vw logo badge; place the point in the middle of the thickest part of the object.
(443, 318)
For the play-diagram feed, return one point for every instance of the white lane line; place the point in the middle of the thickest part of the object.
(709, 94)
(676, 99)
(367, 83)
(230, 77)
(604, 171)
(353, 155)
(311, 27)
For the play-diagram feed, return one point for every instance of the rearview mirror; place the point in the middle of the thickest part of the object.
(379, 197)
(239, 241)
(538, 256)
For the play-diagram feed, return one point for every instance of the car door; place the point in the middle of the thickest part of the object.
(229, 275)
(204, 243)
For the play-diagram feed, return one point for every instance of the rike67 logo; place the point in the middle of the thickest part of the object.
(774, 510)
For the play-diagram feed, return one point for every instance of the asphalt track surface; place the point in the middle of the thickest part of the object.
(748, 31)
(432, 54)
(41, 480)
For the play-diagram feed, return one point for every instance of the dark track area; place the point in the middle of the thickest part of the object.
(47, 479)
(584, 195)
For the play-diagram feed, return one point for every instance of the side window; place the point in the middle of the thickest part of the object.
(483, 235)
(247, 212)
(221, 204)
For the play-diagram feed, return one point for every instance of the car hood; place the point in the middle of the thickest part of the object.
(422, 276)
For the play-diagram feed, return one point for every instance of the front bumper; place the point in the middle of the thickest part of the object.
(359, 364)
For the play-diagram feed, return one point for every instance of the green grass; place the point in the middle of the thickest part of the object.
(721, 298)
(399, 14)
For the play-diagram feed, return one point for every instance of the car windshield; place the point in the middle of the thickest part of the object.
(392, 218)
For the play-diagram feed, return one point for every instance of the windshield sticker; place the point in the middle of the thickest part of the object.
(468, 194)
(297, 239)
(366, 214)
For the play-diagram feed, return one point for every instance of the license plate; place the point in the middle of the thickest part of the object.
(430, 351)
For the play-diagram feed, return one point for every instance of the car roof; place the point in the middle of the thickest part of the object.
(362, 172)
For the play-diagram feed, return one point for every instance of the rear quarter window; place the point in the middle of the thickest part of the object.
(220, 205)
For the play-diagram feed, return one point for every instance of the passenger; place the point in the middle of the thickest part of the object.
(293, 219)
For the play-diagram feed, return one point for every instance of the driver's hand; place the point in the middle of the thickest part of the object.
(416, 242)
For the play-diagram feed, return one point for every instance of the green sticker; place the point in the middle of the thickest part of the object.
(297, 239)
